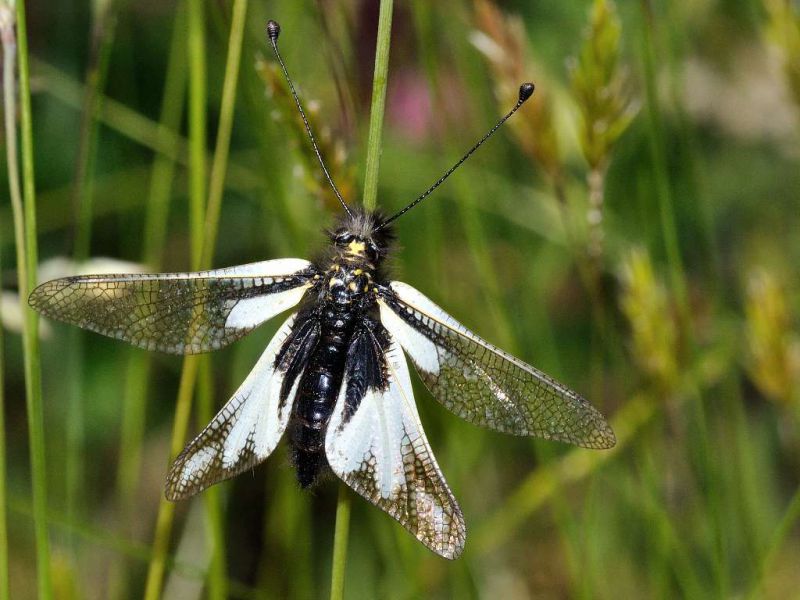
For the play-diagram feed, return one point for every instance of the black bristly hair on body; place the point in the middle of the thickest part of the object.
(366, 225)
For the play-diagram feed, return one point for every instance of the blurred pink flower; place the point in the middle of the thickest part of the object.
(409, 106)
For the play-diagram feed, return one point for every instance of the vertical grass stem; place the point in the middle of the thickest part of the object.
(197, 126)
(156, 217)
(340, 539)
(219, 167)
(101, 42)
(203, 231)
(197, 191)
(24, 216)
(3, 529)
(379, 82)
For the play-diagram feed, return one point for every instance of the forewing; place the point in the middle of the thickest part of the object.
(483, 384)
(375, 444)
(250, 425)
(179, 313)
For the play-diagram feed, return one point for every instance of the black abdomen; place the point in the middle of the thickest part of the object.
(316, 396)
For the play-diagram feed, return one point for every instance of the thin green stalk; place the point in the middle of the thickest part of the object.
(24, 212)
(197, 126)
(203, 235)
(3, 528)
(340, 538)
(379, 84)
(101, 42)
(164, 164)
(197, 191)
(133, 125)
(9, 114)
(790, 518)
(576, 465)
(219, 168)
(212, 499)
(139, 364)
(113, 114)
(107, 540)
(710, 486)
(166, 509)
(656, 138)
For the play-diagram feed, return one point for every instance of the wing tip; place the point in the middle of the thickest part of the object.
(453, 553)
(36, 297)
(599, 436)
(603, 436)
(177, 488)
(173, 491)
(171, 495)
(451, 547)
(608, 438)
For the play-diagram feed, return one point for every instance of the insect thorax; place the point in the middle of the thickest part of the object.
(347, 282)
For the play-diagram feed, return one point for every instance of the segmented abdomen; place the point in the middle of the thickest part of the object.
(317, 393)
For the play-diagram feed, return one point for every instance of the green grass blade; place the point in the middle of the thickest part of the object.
(197, 187)
(666, 207)
(138, 370)
(166, 509)
(219, 167)
(24, 212)
(198, 97)
(379, 84)
(790, 518)
(101, 40)
(340, 538)
(3, 528)
(203, 230)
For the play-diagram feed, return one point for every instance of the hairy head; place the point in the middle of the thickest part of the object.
(360, 234)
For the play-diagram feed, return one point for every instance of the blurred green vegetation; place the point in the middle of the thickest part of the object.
(633, 232)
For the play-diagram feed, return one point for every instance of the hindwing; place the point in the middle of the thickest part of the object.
(250, 425)
(375, 443)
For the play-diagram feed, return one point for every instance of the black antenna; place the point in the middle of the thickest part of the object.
(273, 31)
(525, 92)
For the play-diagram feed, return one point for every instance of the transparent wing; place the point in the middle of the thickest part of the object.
(250, 425)
(179, 313)
(375, 444)
(483, 384)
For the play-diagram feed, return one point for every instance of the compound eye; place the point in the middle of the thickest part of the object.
(343, 238)
(372, 251)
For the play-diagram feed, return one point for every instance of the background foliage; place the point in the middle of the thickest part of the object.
(632, 232)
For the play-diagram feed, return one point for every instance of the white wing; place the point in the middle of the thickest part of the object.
(251, 424)
(180, 313)
(375, 444)
(483, 384)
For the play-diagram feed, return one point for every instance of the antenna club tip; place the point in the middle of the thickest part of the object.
(273, 30)
(526, 91)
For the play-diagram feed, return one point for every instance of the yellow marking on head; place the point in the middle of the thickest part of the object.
(358, 272)
(355, 247)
